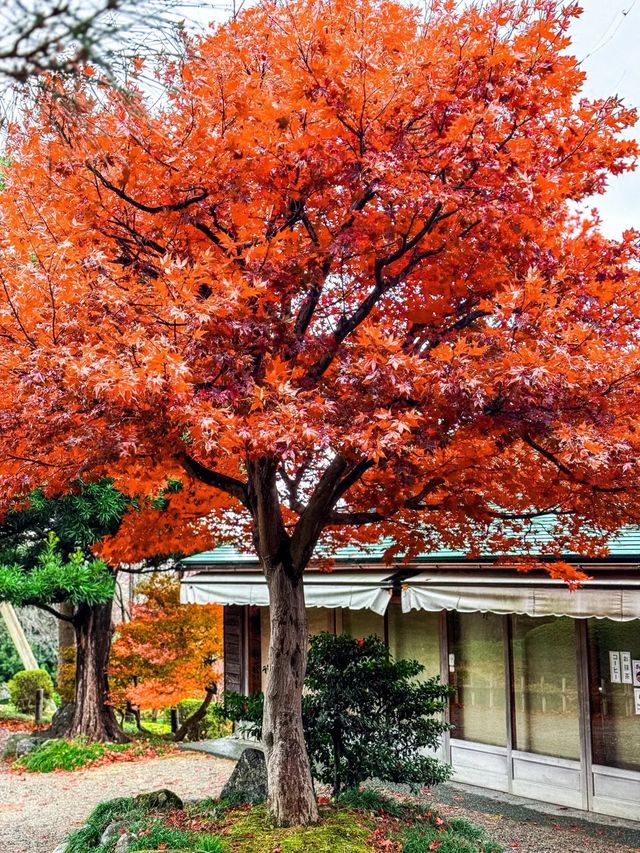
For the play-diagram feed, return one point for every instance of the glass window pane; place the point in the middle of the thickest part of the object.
(545, 686)
(478, 707)
(615, 726)
(415, 636)
(362, 623)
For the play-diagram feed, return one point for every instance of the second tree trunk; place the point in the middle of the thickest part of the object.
(93, 718)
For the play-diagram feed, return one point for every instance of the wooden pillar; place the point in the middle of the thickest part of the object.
(18, 636)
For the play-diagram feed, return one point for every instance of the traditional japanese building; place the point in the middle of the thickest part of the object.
(546, 680)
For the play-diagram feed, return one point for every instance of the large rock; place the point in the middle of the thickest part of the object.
(61, 721)
(248, 782)
(162, 799)
(122, 845)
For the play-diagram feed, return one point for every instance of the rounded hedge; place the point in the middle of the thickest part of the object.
(23, 688)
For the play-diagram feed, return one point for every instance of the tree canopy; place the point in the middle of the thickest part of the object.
(167, 651)
(45, 555)
(347, 245)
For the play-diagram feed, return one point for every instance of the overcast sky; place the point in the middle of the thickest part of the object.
(607, 40)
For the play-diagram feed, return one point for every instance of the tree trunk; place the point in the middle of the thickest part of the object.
(93, 718)
(291, 797)
(198, 715)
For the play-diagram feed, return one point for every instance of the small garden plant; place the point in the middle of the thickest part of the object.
(23, 687)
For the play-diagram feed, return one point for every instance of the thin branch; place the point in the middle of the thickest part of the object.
(147, 208)
(550, 457)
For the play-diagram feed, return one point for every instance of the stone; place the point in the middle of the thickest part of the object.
(162, 799)
(122, 845)
(61, 721)
(9, 749)
(61, 848)
(5, 694)
(114, 830)
(248, 782)
(25, 745)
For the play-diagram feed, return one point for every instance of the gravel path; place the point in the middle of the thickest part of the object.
(519, 826)
(37, 810)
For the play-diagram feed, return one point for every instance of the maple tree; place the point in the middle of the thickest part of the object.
(341, 284)
(167, 651)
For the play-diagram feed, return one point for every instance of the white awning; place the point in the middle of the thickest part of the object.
(351, 590)
(602, 599)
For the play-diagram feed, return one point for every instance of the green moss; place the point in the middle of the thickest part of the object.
(338, 832)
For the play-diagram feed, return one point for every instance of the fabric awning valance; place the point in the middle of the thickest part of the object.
(351, 590)
(601, 599)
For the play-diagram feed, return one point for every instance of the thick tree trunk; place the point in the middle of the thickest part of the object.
(291, 796)
(93, 718)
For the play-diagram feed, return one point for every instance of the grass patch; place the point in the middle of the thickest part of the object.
(160, 837)
(65, 755)
(10, 712)
(87, 838)
(458, 836)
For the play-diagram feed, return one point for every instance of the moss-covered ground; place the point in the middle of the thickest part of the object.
(362, 822)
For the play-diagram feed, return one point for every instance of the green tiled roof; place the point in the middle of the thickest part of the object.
(624, 546)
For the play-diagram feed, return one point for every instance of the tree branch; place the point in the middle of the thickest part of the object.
(230, 485)
(147, 208)
(54, 612)
(550, 457)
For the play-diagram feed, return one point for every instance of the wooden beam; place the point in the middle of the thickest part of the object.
(18, 636)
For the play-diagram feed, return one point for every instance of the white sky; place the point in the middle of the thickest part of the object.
(608, 42)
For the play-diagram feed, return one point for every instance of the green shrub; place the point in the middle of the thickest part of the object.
(365, 714)
(66, 755)
(23, 688)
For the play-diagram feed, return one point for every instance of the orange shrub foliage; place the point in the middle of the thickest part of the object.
(168, 651)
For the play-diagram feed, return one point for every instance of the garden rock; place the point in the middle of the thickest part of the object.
(123, 843)
(114, 830)
(61, 721)
(9, 749)
(162, 799)
(25, 745)
(5, 694)
(248, 782)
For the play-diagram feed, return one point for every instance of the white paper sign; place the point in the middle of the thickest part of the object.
(636, 672)
(625, 666)
(614, 667)
(636, 696)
